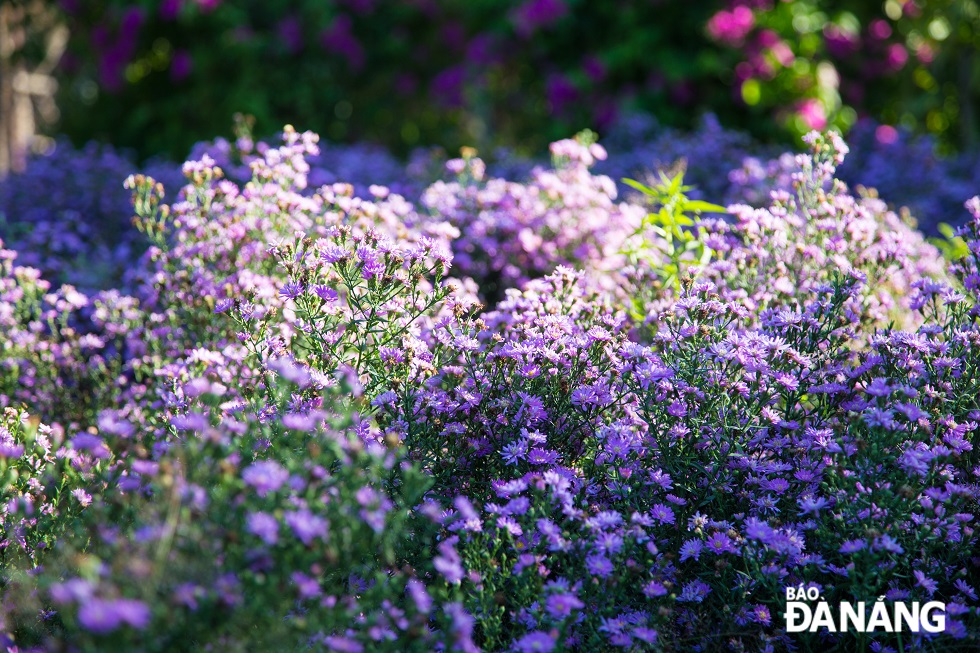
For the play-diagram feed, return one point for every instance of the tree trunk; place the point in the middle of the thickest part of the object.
(26, 91)
(7, 128)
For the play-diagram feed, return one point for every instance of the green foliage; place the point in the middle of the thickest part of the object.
(673, 230)
(520, 74)
(952, 246)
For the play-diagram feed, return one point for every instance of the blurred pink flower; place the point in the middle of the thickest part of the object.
(886, 134)
(896, 58)
(812, 113)
(782, 53)
(879, 29)
(924, 53)
(731, 27)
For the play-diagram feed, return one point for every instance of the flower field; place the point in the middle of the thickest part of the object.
(479, 411)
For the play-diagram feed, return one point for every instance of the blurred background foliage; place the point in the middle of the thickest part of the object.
(159, 75)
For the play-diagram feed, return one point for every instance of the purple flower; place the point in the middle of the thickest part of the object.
(510, 525)
(506, 489)
(308, 587)
(340, 644)
(264, 526)
(420, 597)
(720, 543)
(756, 529)
(609, 543)
(514, 452)
(644, 634)
(83, 497)
(100, 616)
(598, 565)
(181, 65)
(542, 457)
(73, 589)
(888, 543)
(223, 305)
(306, 525)
(462, 627)
(677, 409)
(517, 506)
(662, 513)
(470, 518)
(965, 587)
(448, 563)
(812, 505)
(691, 550)
(653, 588)
(91, 443)
(852, 546)
(760, 614)
(333, 252)
(10, 450)
(926, 583)
(694, 592)
(535, 642)
(605, 520)
(372, 264)
(561, 606)
(133, 612)
(291, 290)
(265, 476)
(187, 594)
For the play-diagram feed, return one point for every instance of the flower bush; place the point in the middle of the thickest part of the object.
(303, 429)
(820, 63)
(68, 215)
(931, 191)
(511, 232)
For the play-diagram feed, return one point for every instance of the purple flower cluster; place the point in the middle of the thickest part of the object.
(68, 215)
(303, 429)
(511, 232)
(932, 190)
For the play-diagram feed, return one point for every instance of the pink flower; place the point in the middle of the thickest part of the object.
(731, 27)
(812, 113)
(886, 134)
(896, 58)
(879, 29)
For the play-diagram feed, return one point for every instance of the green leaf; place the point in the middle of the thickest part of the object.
(706, 207)
(632, 183)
